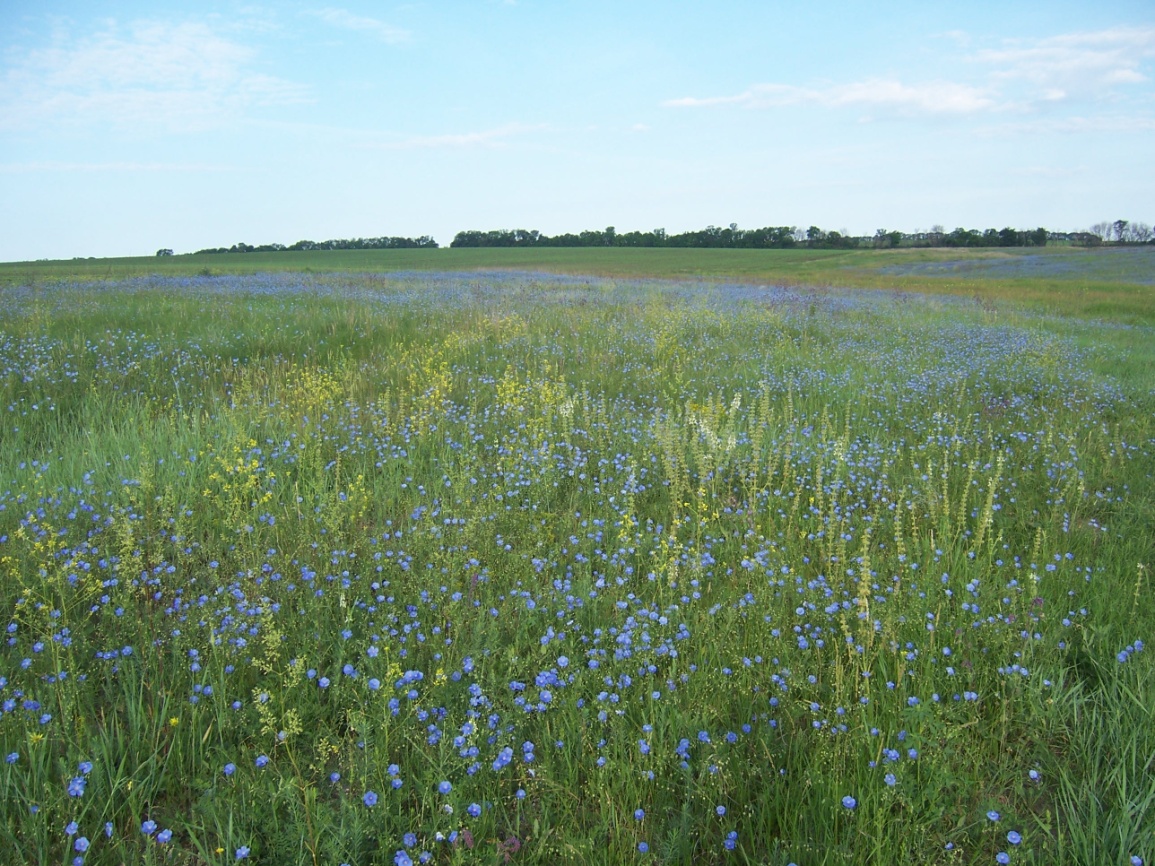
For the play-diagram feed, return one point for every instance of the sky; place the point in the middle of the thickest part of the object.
(126, 127)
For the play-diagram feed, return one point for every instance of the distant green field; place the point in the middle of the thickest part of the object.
(1117, 284)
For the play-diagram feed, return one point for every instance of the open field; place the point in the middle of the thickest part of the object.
(1117, 284)
(414, 562)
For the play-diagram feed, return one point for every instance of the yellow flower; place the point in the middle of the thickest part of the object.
(173, 722)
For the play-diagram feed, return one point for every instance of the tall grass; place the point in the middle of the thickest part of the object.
(330, 569)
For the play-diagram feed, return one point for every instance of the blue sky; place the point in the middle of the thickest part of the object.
(126, 126)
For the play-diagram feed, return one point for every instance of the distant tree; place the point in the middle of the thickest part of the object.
(1138, 233)
(1102, 230)
(164, 252)
(1119, 230)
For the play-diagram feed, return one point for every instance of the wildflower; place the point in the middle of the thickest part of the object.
(12, 758)
(1014, 838)
(81, 844)
(992, 815)
(370, 798)
(402, 858)
(639, 814)
(643, 848)
(262, 760)
(84, 768)
(242, 852)
(721, 810)
(409, 839)
(849, 802)
(444, 787)
(230, 769)
(72, 828)
(474, 810)
(76, 787)
(731, 841)
(1003, 858)
(164, 836)
(148, 827)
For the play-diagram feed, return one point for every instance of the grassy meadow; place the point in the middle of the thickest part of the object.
(1113, 283)
(468, 564)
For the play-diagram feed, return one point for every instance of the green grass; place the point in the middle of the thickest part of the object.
(1105, 283)
(733, 536)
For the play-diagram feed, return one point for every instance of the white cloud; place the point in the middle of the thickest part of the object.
(1022, 76)
(176, 77)
(1090, 63)
(934, 98)
(101, 167)
(489, 138)
(348, 21)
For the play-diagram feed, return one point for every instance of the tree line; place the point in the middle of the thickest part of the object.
(769, 237)
(423, 242)
(1117, 232)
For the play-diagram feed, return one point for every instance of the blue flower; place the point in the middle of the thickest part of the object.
(849, 802)
(262, 760)
(474, 810)
(731, 841)
(992, 815)
(242, 852)
(370, 798)
(230, 769)
(12, 758)
(643, 847)
(81, 844)
(1003, 858)
(72, 828)
(148, 827)
(1014, 838)
(402, 858)
(444, 787)
(409, 840)
(639, 814)
(164, 836)
(721, 810)
(76, 787)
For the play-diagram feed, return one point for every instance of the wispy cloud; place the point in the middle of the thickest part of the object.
(1090, 63)
(489, 138)
(146, 75)
(1023, 75)
(882, 95)
(48, 167)
(348, 21)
